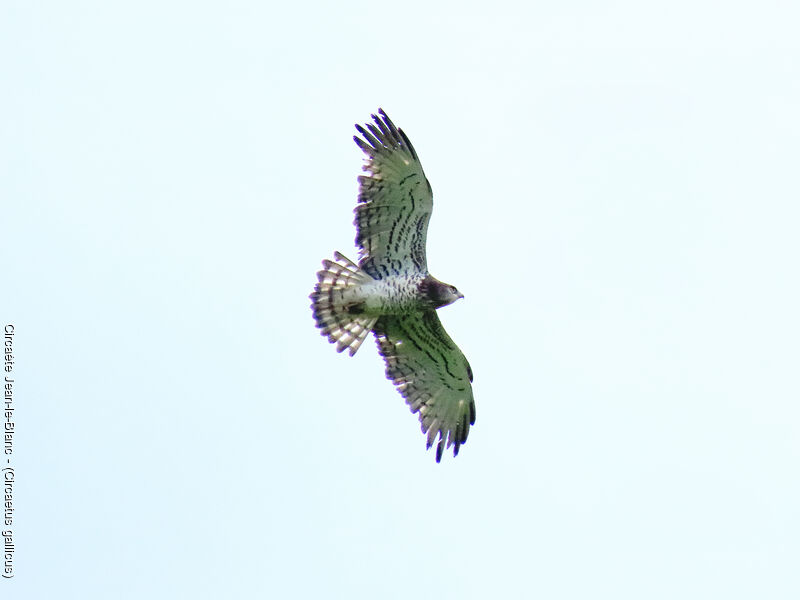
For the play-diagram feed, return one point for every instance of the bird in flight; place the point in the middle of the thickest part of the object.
(391, 293)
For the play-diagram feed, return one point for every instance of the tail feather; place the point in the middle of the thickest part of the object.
(334, 303)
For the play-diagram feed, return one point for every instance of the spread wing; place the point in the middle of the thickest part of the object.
(394, 202)
(431, 373)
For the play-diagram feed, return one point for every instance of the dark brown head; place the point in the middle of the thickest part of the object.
(438, 294)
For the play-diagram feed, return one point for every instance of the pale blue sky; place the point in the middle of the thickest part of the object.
(616, 194)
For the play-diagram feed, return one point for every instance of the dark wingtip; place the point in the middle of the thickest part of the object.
(408, 144)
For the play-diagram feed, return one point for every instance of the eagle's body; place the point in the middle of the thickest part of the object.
(396, 295)
(391, 293)
(402, 295)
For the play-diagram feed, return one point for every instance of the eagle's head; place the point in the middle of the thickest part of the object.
(437, 293)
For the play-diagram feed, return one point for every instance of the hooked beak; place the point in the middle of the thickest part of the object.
(460, 295)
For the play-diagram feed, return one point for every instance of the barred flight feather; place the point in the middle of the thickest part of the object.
(331, 303)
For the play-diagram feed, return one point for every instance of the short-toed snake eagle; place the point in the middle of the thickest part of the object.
(391, 293)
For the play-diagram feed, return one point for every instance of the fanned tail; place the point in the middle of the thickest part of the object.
(335, 303)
